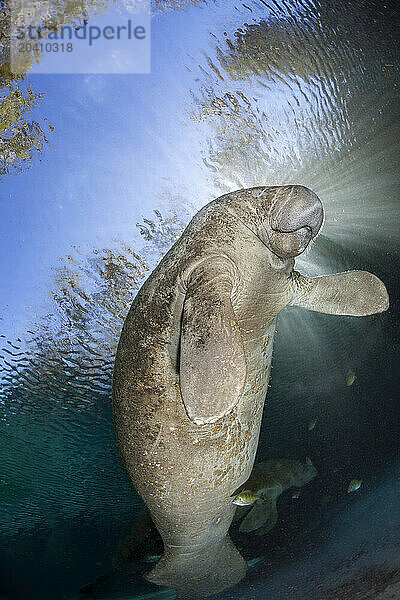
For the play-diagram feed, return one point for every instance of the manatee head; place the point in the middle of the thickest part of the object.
(285, 218)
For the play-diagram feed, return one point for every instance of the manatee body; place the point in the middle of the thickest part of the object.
(269, 479)
(193, 364)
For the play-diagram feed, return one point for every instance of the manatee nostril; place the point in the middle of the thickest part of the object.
(298, 210)
(291, 243)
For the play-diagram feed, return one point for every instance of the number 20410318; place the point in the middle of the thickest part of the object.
(45, 47)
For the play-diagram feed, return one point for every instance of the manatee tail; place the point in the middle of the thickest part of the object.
(200, 573)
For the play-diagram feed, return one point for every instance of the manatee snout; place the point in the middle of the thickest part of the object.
(295, 218)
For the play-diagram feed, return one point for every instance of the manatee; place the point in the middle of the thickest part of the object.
(193, 363)
(269, 479)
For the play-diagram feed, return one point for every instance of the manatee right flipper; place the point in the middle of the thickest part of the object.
(263, 514)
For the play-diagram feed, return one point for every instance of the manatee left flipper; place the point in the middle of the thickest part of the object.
(263, 514)
(212, 358)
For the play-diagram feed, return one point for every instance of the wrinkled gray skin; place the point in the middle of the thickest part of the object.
(193, 364)
(269, 479)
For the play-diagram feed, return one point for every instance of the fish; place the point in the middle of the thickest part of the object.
(268, 480)
(296, 494)
(308, 460)
(151, 557)
(354, 485)
(254, 561)
(350, 377)
(246, 498)
(312, 425)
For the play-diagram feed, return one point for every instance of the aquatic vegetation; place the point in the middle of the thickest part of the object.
(56, 387)
(20, 136)
(263, 128)
(91, 295)
(163, 6)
